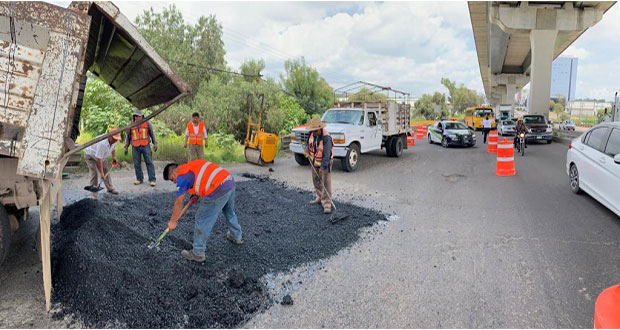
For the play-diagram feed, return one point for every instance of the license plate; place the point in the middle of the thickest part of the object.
(538, 137)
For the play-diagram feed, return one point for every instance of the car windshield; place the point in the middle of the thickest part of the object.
(455, 126)
(353, 117)
(508, 122)
(534, 120)
(484, 112)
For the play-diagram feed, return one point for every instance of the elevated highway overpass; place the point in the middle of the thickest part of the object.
(517, 41)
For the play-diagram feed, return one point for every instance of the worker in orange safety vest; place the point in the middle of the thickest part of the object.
(140, 137)
(216, 188)
(321, 154)
(196, 135)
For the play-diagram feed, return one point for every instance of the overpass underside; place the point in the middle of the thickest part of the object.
(517, 42)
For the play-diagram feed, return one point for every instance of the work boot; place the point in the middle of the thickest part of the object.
(137, 182)
(113, 192)
(232, 239)
(191, 256)
(316, 201)
(327, 210)
(153, 183)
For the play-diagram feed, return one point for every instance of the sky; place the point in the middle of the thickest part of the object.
(409, 46)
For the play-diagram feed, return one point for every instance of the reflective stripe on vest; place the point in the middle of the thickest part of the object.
(207, 176)
(140, 135)
(316, 153)
(193, 137)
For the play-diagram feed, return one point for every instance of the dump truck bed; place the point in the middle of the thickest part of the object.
(395, 117)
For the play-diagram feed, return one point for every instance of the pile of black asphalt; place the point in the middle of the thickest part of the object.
(105, 276)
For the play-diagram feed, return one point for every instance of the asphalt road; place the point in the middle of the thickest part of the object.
(469, 249)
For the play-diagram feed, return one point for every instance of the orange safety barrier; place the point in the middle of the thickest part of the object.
(607, 309)
(505, 159)
(492, 142)
(420, 132)
(410, 141)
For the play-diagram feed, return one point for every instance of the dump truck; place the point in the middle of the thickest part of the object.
(360, 127)
(46, 52)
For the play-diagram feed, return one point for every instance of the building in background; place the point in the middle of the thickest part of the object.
(564, 77)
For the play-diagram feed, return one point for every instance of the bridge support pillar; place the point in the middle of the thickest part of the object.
(542, 43)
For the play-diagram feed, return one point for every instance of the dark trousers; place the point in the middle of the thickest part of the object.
(485, 133)
(143, 152)
(517, 140)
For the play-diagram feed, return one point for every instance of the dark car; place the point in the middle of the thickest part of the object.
(537, 128)
(451, 133)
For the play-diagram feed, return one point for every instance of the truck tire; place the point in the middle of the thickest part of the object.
(388, 147)
(301, 159)
(397, 146)
(351, 162)
(5, 234)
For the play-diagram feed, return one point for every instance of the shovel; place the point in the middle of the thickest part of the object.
(152, 245)
(332, 219)
(97, 188)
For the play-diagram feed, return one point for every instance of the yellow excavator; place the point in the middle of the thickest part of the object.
(260, 147)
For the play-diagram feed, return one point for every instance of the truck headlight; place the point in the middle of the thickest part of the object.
(338, 138)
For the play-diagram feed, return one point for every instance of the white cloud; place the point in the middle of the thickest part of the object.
(575, 51)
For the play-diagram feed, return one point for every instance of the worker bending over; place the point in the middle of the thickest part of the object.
(96, 159)
(321, 154)
(216, 186)
(196, 134)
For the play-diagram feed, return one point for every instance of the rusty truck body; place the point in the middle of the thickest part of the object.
(45, 53)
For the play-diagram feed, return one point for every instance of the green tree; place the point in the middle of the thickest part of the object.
(460, 96)
(184, 44)
(311, 91)
(425, 105)
(365, 94)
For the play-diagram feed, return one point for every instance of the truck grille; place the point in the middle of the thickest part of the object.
(301, 137)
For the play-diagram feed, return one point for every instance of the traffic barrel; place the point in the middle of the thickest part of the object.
(492, 142)
(505, 159)
(411, 138)
(607, 309)
(420, 133)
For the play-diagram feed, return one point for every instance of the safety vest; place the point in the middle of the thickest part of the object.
(193, 137)
(140, 135)
(316, 153)
(207, 176)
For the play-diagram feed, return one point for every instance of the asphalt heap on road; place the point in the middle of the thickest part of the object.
(104, 274)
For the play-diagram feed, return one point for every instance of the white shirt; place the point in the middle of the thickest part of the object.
(100, 150)
(486, 123)
(204, 131)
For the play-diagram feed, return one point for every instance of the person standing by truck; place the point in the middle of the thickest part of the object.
(321, 153)
(196, 134)
(486, 128)
(140, 137)
(98, 166)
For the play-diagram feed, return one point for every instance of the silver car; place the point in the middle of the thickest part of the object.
(567, 125)
(506, 127)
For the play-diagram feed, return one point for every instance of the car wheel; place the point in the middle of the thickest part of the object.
(397, 147)
(350, 162)
(301, 159)
(444, 142)
(5, 234)
(388, 147)
(573, 174)
(430, 140)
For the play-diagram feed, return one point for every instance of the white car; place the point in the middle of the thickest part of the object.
(593, 164)
(567, 125)
(506, 127)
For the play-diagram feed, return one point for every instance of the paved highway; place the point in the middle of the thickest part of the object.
(470, 249)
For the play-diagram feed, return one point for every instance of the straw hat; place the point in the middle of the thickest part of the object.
(116, 136)
(138, 112)
(315, 124)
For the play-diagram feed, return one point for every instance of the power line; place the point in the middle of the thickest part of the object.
(260, 43)
(215, 69)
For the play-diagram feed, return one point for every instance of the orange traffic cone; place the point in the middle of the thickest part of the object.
(492, 142)
(505, 159)
(607, 309)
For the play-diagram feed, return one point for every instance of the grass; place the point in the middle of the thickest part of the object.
(172, 149)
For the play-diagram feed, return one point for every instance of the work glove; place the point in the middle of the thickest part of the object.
(154, 148)
(126, 151)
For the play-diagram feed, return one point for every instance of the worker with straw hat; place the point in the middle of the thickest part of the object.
(320, 152)
(98, 166)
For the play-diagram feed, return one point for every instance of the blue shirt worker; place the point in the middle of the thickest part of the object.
(216, 186)
(140, 137)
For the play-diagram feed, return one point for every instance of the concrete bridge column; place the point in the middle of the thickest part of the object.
(542, 42)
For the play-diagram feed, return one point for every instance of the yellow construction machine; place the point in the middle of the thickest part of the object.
(260, 147)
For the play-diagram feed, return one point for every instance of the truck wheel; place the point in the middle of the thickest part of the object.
(388, 147)
(350, 163)
(301, 159)
(5, 234)
(397, 147)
